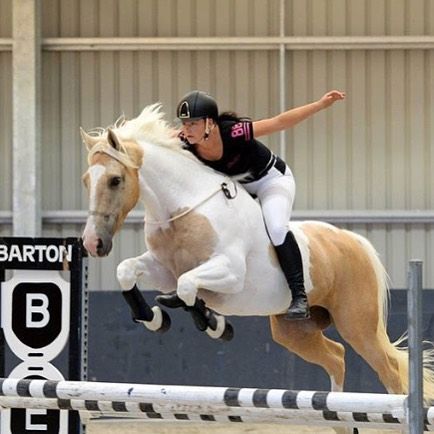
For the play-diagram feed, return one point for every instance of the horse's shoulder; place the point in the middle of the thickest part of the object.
(184, 243)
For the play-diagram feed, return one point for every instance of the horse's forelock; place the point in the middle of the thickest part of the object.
(150, 126)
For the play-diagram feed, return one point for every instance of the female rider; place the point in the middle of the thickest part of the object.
(229, 144)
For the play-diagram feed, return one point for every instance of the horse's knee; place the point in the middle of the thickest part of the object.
(187, 290)
(126, 274)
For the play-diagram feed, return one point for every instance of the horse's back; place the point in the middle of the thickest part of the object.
(343, 265)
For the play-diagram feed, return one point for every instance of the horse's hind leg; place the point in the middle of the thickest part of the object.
(306, 339)
(368, 338)
(370, 341)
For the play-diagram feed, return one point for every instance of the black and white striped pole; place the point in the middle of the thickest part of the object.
(414, 312)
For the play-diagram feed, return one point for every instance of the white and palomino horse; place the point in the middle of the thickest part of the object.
(209, 243)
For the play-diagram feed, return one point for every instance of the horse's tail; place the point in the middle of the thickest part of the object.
(393, 349)
(401, 355)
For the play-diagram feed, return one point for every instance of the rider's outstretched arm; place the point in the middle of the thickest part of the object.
(293, 116)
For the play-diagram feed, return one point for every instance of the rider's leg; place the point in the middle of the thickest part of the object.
(276, 195)
(291, 262)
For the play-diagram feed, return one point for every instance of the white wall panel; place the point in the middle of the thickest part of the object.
(51, 134)
(104, 18)
(356, 129)
(5, 18)
(6, 131)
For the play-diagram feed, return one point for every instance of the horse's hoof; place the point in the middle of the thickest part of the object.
(228, 334)
(224, 330)
(199, 320)
(160, 322)
(166, 322)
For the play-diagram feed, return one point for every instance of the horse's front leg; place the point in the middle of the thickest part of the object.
(220, 273)
(151, 274)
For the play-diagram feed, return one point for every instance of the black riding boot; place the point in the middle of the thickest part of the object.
(292, 266)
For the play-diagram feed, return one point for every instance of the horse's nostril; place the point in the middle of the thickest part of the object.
(100, 244)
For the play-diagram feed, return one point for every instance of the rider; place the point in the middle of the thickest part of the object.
(229, 144)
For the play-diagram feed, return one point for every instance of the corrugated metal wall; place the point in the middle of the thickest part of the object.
(372, 152)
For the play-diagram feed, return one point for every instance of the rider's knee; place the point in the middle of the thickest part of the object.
(277, 234)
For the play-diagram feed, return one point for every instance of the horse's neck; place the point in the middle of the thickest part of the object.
(170, 181)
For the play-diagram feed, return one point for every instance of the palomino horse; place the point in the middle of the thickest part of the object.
(207, 241)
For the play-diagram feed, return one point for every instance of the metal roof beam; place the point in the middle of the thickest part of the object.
(422, 42)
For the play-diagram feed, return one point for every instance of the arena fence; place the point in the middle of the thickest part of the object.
(55, 313)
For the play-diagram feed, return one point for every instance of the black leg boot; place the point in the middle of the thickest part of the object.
(292, 266)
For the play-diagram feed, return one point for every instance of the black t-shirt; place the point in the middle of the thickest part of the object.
(242, 153)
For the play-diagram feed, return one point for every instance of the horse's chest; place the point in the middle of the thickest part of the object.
(184, 244)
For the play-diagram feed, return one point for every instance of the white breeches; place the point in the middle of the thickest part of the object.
(276, 193)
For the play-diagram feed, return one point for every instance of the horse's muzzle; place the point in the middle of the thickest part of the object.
(97, 246)
(103, 248)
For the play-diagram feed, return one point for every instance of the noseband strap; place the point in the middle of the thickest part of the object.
(122, 157)
(101, 214)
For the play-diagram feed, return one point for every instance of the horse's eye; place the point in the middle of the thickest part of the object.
(115, 181)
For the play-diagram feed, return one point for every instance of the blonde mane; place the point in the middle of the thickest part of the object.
(150, 126)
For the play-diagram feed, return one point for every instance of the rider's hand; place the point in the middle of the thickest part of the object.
(330, 97)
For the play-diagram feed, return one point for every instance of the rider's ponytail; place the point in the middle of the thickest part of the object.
(231, 116)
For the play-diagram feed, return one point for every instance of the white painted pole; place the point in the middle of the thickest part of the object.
(282, 77)
(205, 396)
(414, 312)
(197, 413)
(26, 118)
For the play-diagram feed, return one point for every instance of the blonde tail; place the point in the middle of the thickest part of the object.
(400, 353)
(394, 350)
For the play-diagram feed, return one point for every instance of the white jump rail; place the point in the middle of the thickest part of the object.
(201, 395)
(211, 404)
(91, 411)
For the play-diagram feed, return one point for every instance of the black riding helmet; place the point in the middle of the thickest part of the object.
(197, 105)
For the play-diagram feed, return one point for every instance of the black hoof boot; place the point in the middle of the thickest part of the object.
(299, 309)
(172, 301)
(165, 324)
(228, 334)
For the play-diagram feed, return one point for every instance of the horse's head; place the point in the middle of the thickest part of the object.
(112, 181)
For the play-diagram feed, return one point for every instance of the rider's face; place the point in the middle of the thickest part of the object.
(194, 131)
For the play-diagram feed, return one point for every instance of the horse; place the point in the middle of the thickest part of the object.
(207, 243)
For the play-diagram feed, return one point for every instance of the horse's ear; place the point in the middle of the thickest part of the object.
(88, 140)
(113, 139)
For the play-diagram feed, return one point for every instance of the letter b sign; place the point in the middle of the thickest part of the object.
(37, 311)
(32, 307)
(40, 303)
